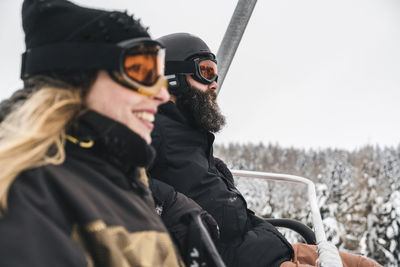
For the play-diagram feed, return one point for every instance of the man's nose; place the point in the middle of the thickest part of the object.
(213, 86)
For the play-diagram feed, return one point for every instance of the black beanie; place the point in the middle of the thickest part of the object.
(57, 21)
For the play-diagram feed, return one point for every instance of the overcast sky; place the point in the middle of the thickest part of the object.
(308, 74)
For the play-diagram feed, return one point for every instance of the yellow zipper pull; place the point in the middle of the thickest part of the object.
(84, 144)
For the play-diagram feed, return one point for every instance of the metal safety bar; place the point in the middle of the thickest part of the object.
(328, 253)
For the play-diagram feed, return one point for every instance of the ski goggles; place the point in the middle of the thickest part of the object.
(136, 63)
(203, 70)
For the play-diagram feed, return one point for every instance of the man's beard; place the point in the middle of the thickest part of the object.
(201, 109)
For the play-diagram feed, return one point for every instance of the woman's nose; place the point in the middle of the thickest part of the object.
(162, 96)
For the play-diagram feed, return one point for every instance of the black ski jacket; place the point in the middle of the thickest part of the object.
(92, 210)
(185, 161)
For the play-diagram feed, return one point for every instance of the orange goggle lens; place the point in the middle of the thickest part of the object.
(208, 69)
(144, 64)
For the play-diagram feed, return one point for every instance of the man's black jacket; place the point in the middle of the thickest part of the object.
(185, 161)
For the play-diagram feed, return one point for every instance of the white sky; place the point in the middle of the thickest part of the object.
(309, 74)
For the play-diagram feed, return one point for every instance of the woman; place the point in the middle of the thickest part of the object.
(72, 187)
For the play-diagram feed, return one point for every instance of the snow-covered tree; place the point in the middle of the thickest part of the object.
(358, 192)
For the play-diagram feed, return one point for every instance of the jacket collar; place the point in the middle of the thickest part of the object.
(170, 110)
(113, 141)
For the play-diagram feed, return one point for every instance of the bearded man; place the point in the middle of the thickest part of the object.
(183, 138)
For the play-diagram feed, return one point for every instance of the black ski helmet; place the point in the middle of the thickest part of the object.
(182, 47)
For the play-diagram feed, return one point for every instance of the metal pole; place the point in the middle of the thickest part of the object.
(232, 37)
(206, 238)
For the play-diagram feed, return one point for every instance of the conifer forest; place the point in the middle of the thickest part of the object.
(358, 193)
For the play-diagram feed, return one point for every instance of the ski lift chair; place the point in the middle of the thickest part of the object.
(328, 253)
(303, 230)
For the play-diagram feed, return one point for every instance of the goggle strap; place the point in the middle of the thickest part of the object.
(180, 67)
(70, 57)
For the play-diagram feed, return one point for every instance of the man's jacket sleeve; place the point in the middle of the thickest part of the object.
(174, 206)
(163, 194)
(224, 170)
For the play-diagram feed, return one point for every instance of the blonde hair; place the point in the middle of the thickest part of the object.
(33, 134)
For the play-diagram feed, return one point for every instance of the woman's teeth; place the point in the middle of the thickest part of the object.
(146, 116)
